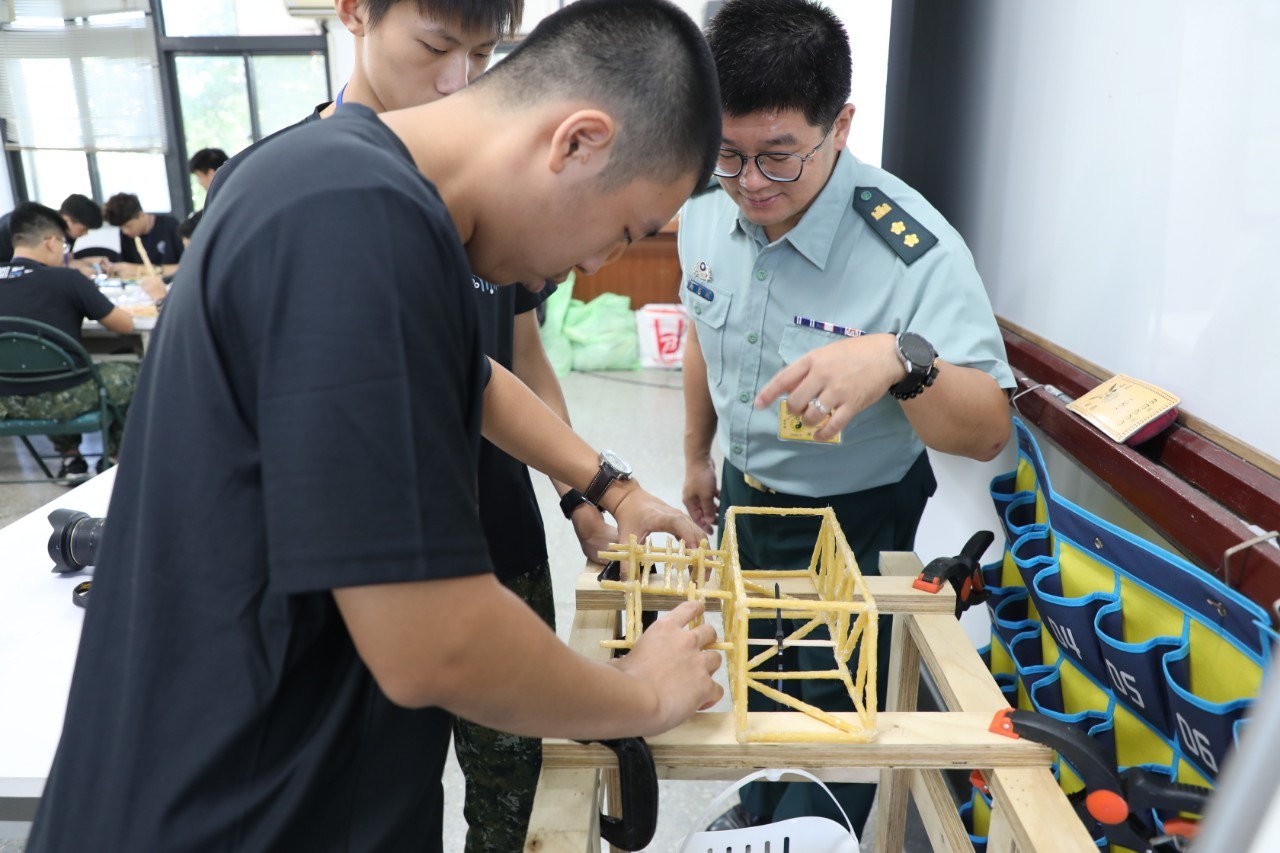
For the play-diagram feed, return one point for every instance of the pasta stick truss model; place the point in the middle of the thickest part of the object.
(843, 605)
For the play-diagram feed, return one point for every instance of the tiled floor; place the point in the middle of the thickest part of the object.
(640, 415)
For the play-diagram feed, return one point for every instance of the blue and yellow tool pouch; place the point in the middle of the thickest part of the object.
(1154, 658)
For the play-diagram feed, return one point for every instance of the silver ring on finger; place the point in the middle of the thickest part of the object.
(817, 404)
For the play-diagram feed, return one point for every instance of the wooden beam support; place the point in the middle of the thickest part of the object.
(892, 595)
(903, 740)
(938, 813)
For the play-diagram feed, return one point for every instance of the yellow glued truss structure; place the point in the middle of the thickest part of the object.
(844, 607)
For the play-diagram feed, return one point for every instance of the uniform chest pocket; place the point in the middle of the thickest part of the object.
(798, 340)
(709, 315)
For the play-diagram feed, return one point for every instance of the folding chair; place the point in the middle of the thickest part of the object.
(31, 353)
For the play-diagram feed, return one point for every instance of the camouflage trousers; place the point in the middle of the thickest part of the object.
(501, 770)
(119, 377)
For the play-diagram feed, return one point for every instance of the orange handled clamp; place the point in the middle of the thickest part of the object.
(962, 571)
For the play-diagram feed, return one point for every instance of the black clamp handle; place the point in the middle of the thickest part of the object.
(1112, 798)
(963, 572)
(638, 791)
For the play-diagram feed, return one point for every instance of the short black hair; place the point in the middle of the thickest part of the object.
(121, 207)
(31, 222)
(83, 210)
(207, 160)
(643, 61)
(188, 227)
(500, 16)
(781, 55)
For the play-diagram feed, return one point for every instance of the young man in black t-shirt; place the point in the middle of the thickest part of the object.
(158, 233)
(35, 285)
(79, 213)
(294, 575)
(391, 70)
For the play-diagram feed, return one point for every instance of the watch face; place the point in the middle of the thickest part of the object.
(616, 462)
(916, 350)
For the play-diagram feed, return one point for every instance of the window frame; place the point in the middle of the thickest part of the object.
(167, 49)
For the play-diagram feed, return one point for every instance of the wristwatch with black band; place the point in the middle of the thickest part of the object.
(920, 359)
(570, 501)
(612, 467)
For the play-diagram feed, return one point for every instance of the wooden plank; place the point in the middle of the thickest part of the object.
(566, 813)
(962, 678)
(566, 806)
(938, 813)
(1036, 812)
(891, 594)
(904, 684)
(1000, 833)
(906, 740)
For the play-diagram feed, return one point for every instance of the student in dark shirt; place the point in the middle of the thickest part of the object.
(294, 576)
(79, 212)
(35, 284)
(205, 163)
(392, 70)
(158, 233)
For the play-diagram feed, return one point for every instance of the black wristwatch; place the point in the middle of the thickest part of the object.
(612, 467)
(570, 501)
(920, 359)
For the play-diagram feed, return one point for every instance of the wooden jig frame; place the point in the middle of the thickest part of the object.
(907, 756)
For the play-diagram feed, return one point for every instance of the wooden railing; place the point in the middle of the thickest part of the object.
(1200, 493)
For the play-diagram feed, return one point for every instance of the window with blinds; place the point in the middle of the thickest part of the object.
(81, 75)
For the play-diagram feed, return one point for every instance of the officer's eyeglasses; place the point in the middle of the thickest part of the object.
(779, 166)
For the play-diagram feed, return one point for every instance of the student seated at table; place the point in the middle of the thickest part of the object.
(81, 214)
(36, 285)
(157, 286)
(158, 233)
(204, 163)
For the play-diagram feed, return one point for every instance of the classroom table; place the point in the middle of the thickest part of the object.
(39, 636)
(130, 297)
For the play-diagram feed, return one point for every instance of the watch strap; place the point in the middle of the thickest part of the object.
(570, 501)
(599, 483)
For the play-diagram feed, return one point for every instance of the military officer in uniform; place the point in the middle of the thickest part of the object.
(840, 328)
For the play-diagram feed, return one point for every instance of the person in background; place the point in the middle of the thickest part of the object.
(158, 233)
(392, 70)
(846, 287)
(204, 163)
(160, 283)
(79, 212)
(281, 620)
(36, 284)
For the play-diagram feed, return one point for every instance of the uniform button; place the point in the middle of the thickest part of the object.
(697, 309)
(761, 275)
(752, 338)
(737, 449)
(866, 195)
(744, 397)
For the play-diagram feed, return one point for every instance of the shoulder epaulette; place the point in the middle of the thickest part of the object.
(898, 228)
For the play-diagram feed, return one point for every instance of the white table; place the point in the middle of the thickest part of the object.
(39, 635)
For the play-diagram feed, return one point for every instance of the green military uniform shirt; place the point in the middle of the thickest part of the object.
(904, 269)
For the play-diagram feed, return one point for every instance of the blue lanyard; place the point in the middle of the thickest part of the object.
(341, 92)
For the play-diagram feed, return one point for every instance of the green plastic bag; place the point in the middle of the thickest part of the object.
(559, 350)
(603, 333)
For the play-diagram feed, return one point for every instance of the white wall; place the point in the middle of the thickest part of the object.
(866, 20)
(1125, 203)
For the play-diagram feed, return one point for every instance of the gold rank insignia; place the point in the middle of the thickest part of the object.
(908, 239)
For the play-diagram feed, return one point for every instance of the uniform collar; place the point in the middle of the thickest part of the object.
(815, 233)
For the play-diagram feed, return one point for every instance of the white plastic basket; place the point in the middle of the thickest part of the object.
(799, 834)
